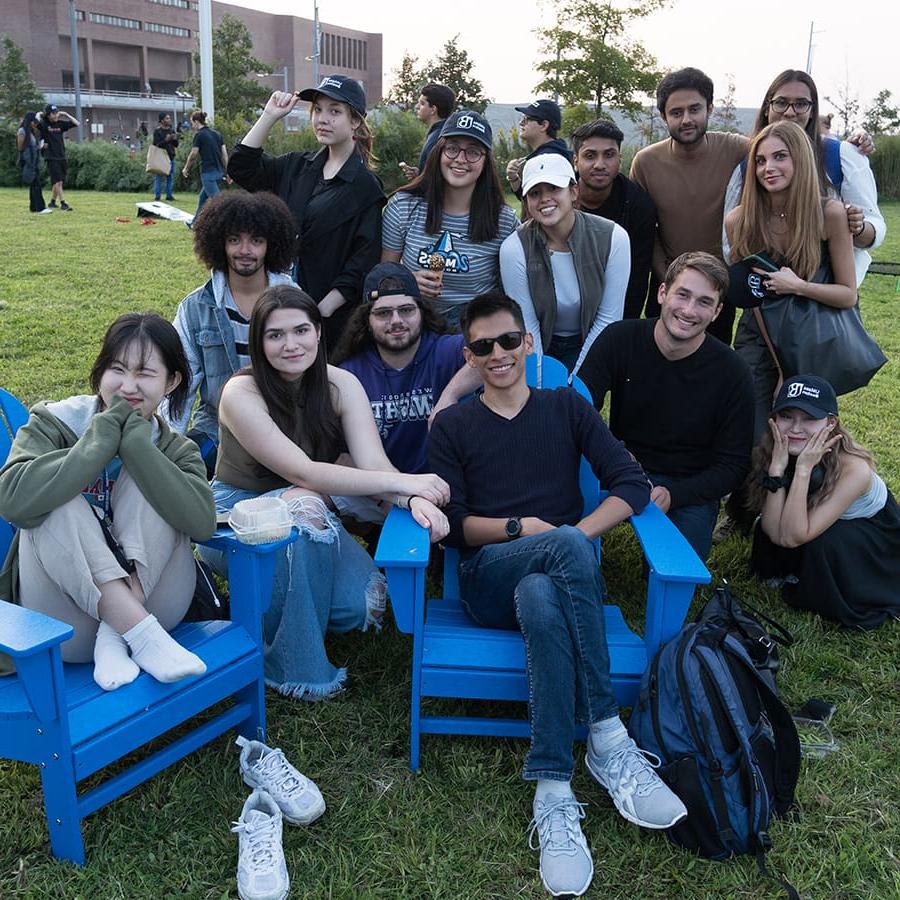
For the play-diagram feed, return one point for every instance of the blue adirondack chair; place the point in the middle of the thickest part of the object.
(54, 716)
(454, 657)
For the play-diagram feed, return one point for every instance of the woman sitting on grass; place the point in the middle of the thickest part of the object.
(829, 530)
(106, 498)
(283, 422)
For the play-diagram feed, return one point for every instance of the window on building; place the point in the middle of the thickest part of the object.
(173, 30)
(181, 4)
(117, 21)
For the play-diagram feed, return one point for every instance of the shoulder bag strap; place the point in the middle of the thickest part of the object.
(761, 323)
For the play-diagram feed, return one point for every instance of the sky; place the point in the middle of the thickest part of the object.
(753, 43)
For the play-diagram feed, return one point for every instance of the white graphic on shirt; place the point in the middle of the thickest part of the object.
(453, 261)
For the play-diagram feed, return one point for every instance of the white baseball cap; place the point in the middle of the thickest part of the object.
(547, 168)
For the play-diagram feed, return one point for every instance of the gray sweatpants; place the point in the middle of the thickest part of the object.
(64, 559)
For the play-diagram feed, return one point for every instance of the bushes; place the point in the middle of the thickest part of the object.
(507, 146)
(399, 136)
(886, 166)
(99, 166)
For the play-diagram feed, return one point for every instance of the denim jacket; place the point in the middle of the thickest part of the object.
(204, 328)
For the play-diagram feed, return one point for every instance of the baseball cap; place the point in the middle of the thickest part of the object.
(50, 108)
(468, 123)
(339, 87)
(372, 289)
(547, 168)
(809, 393)
(543, 110)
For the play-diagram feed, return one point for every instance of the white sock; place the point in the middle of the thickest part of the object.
(162, 656)
(112, 665)
(547, 786)
(606, 735)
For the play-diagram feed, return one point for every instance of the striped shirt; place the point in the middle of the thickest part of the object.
(240, 327)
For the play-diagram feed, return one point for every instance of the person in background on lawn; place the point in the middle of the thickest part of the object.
(604, 191)
(682, 401)
(283, 422)
(829, 527)
(433, 107)
(210, 147)
(167, 139)
(567, 270)
(538, 130)
(448, 224)
(29, 144)
(335, 197)
(247, 243)
(106, 499)
(403, 354)
(54, 124)
(528, 562)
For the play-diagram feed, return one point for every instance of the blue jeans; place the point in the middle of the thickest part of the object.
(549, 586)
(209, 182)
(157, 180)
(696, 523)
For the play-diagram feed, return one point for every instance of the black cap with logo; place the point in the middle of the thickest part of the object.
(339, 87)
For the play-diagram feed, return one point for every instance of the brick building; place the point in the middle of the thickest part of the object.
(135, 54)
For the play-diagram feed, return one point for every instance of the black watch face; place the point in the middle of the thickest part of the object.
(513, 527)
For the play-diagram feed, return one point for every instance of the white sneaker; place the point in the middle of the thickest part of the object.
(638, 793)
(566, 864)
(45, 211)
(261, 871)
(298, 798)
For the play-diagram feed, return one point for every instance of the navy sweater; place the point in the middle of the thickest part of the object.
(528, 465)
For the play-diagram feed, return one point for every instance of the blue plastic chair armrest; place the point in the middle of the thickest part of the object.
(403, 542)
(24, 632)
(666, 549)
(224, 539)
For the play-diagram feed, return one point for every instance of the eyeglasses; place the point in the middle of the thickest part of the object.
(407, 311)
(511, 340)
(782, 104)
(472, 154)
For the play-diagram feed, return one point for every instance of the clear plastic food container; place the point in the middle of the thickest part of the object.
(260, 520)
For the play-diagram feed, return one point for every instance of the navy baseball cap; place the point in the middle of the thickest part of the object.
(50, 108)
(809, 393)
(372, 287)
(468, 123)
(543, 111)
(339, 87)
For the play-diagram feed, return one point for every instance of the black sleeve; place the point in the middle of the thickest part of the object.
(444, 459)
(731, 450)
(255, 170)
(642, 232)
(596, 371)
(365, 252)
(159, 138)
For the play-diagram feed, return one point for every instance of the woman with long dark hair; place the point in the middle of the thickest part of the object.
(446, 226)
(333, 193)
(843, 169)
(829, 529)
(29, 143)
(106, 499)
(283, 423)
(783, 215)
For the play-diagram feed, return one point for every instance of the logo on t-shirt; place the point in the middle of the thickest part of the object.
(411, 406)
(443, 247)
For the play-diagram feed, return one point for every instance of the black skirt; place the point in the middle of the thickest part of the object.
(850, 573)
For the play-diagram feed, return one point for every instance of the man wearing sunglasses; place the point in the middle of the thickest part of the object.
(401, 350)
(527, 560)
(538, 129)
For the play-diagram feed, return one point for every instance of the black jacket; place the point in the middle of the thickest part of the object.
(337, 249)
(630, 206)
(159, 140)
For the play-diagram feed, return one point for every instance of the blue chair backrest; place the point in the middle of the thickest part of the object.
(12, 416)
(553, 375)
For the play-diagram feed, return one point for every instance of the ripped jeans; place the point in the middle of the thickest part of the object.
(324, 582)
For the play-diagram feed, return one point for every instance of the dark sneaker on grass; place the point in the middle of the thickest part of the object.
(261, 870)
(65, 207)
(170, 197)
(298, 798)
(638, 793)
(566, 864)
(51, 204)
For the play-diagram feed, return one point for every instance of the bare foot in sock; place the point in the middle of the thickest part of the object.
(156, 652)
(112, 665)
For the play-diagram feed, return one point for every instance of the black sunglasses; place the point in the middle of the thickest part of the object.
(508, 341)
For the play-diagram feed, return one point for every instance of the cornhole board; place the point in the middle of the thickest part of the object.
(163, 211)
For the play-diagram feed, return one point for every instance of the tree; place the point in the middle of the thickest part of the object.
(846, 105)
(724, 117)
(453, 67)
(18, 92)
(237, 91)
(881, 117)
(409, 78)
(592, 58)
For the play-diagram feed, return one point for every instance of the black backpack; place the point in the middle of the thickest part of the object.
(709, 709)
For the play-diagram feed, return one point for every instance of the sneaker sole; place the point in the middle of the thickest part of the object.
(578, 893)
(316, 813)
(624, 812)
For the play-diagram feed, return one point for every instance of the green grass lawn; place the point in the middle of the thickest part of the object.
(458, 828)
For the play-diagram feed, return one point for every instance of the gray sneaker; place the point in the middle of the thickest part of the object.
(298, 798)
(566, 864)
(261, 871)
(638, 793)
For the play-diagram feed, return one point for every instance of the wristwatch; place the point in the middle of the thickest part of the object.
(513, 527)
